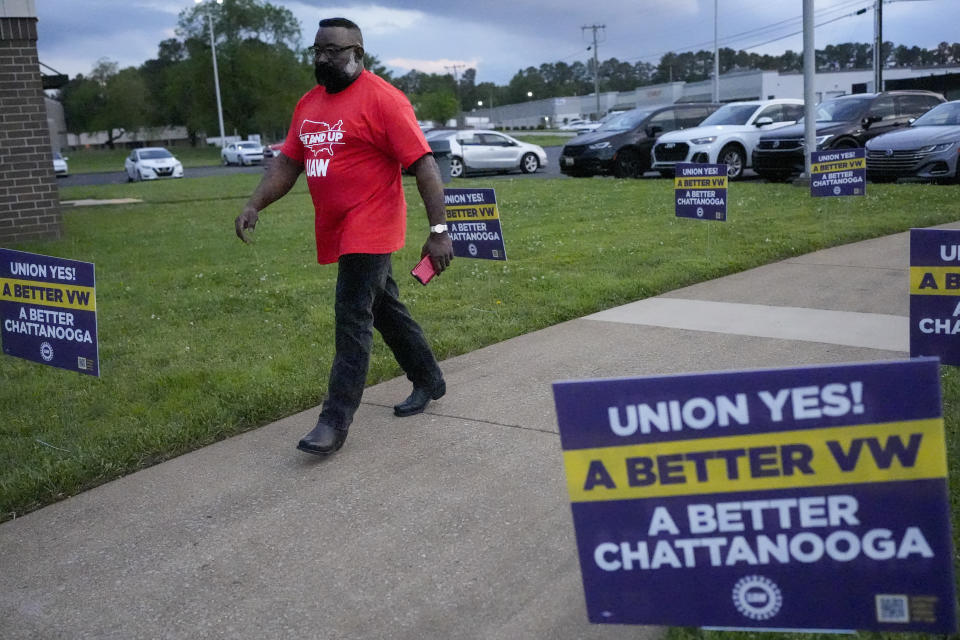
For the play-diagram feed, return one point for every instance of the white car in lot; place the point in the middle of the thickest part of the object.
(579, 125)
(151, 163)
(242, 153)
(60, 167)
(485, 150)
(728, 136)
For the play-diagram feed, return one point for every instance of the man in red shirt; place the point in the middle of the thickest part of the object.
(352, 134)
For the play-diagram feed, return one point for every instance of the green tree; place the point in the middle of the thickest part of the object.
(262, 70)
(109, 100)
(438, 106)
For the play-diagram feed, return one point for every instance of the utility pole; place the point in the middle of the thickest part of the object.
(716, 53)
(809, 76)
(456, 83)
(878, 46)
(596, 64)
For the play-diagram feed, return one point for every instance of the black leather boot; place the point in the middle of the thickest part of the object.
(323, 440)
(417, 401)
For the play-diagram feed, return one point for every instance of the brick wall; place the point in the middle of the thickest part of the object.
(29, 200)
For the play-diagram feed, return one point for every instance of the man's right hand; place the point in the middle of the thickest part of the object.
(246, 220)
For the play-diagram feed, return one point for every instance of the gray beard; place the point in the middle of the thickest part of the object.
(334, 79)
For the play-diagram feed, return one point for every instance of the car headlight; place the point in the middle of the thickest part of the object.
(933, 148)
(600, 145)
(706, 140)
(822, 140)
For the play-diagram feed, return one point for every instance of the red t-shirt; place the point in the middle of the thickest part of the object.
(352, 145)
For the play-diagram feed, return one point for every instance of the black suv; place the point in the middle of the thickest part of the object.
(621, 146)
(846, 122)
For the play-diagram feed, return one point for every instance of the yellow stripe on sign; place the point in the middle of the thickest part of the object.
(913, 450)
(838, 165)
(935, 281)
(700, 182)
(64, 296)
(472, 212)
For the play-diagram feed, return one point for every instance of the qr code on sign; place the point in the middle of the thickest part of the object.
(892, 608)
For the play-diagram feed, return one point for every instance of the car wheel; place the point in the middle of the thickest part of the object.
(225, 162)
(732, 156)
(529, 163)
(667, 173)
(627, 164)
(456, 167)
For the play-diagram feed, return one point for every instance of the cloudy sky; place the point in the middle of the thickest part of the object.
(500, 37)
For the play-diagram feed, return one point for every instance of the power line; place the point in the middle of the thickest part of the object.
(726, 41)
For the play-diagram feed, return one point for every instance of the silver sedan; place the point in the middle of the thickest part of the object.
(483, 150)
(927, 149)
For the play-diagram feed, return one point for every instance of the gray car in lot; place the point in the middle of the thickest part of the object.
(927, 149)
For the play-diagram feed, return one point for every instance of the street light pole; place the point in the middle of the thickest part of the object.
(716, 53)
(216, 73)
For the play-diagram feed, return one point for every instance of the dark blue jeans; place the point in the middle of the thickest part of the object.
(367, 298)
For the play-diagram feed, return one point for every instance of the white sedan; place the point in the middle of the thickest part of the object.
(243, 153)
(60, 165)
(580, 125)
(484, 150)
(150, 163)
(728, 135)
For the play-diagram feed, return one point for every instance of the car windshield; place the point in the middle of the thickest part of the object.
(944, 115)
(57, 156)
(730, 114)
(841, 110)
(248, 145)
(625, 121)
(438, 133)
(155, 154)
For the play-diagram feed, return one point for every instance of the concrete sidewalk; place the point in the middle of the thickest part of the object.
(451, 524)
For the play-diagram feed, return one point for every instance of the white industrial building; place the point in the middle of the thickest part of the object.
(738, 85)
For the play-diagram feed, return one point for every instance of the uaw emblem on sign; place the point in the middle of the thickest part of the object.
(320, 136)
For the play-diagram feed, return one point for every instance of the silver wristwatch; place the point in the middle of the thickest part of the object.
(438, 228)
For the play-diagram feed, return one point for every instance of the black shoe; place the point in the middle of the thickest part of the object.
(323, 439)
(419, 399)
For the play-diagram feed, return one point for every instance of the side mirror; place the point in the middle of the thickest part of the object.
(763, 121)
(654, 130)
(869, 120)
(910, 121)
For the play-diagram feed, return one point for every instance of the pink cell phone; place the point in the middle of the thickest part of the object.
(424, 270)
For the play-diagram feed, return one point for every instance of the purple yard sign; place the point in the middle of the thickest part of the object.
(810, 498)
(474, 221)
(700, 191)
(48, 310)
(838, 172)
(935, 294)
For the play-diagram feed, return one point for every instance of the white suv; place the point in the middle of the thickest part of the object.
(728, 136)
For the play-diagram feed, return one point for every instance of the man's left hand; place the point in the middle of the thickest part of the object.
(439, 247)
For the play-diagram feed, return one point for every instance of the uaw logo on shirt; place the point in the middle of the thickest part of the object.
(319, 137)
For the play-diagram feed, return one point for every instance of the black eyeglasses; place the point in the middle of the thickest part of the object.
(329, 51)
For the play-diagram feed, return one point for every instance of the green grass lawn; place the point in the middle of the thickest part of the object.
(542, 140)
(104, 160)
(203, 337)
